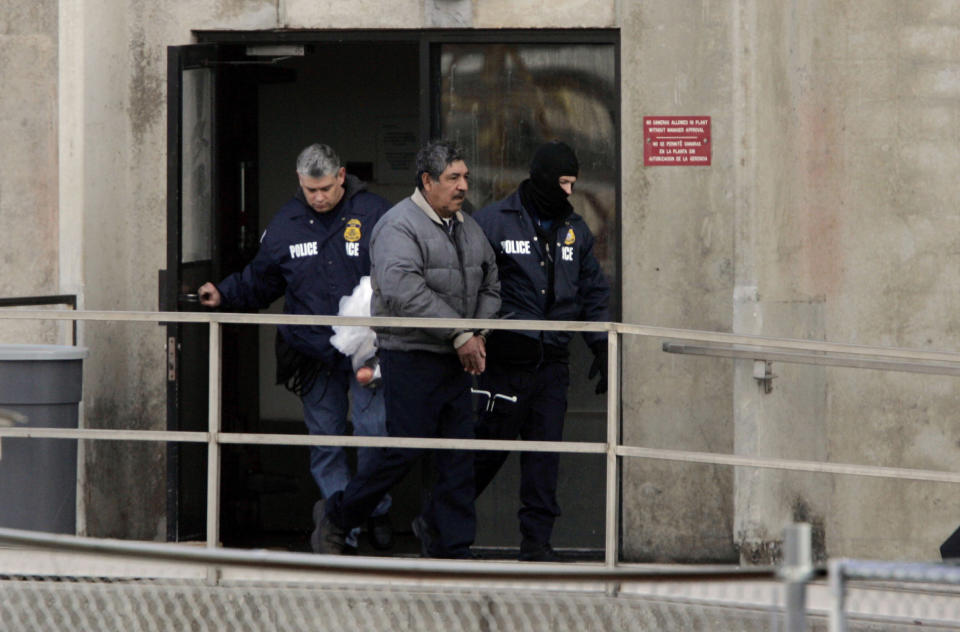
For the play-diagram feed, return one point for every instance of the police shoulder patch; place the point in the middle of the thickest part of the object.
(352, 232)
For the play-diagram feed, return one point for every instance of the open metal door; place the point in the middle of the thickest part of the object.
(191, 198)
(212, 218)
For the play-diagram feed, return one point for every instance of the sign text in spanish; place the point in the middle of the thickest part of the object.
(676, 140)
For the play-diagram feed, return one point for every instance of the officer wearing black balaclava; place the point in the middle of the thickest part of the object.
(547, 272)
(542, 193)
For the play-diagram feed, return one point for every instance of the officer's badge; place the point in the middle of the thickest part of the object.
(571, 238)
(352, 232)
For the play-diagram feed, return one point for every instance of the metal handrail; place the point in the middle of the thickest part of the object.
(843, 570)
(847, 351)
(753, 352)
(383, 566)
(948, 362)
(26, 301)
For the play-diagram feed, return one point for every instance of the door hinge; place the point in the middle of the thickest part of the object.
(172, 359)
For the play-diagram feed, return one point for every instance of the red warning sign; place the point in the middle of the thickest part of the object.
(676, 140)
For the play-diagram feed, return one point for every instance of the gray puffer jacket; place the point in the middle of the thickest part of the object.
(419, 270)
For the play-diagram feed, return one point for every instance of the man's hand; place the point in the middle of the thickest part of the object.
(209, 295)
(599, 367)
(473, 355)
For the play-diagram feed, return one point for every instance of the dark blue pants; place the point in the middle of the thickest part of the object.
(426, 395)
(537, 416)
(325, 408)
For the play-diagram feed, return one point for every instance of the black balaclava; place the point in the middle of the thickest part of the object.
(541, 193)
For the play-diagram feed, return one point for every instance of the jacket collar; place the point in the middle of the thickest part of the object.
(513, 204)
(424, 206)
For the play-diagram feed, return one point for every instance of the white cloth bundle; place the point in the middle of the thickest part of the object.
(360, 343)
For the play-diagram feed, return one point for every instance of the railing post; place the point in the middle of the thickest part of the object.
(215, 381)
(612, 549)
(838, 591)
(796, 571)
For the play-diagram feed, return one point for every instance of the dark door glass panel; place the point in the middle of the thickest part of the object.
(500, 101)
(197, 156)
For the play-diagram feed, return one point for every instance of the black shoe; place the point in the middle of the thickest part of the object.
(327, 538)
(426, 534)
(543, 553)
(380, 532)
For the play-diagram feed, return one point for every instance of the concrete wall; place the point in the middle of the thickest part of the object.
(827, 214)
(113, 224)
(28, 162)
(854, 240)
(678, 245)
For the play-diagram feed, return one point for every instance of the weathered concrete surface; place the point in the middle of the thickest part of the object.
(678, 271)
(827, 214)
(855, 196)
(544, 13)
(361, 14)
(787, 422)
(449, 14)
(785, 249)
(28, 162)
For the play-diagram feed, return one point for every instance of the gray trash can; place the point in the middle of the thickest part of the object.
(38, 477)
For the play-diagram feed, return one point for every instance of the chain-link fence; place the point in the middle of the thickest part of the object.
(65, 583)
(50, 582)
(135, 601)
(67, 604)
(893, 596)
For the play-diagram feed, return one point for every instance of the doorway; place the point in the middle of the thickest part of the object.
(338, 96)
(242, 107)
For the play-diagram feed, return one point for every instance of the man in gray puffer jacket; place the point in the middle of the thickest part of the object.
(428, 259)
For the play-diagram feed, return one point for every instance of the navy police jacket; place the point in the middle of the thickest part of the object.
(581, 291)
(311, 266)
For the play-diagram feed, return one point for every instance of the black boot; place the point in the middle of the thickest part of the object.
(327, 538)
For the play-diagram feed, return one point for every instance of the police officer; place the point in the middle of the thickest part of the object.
(547, 272)
(313, 252)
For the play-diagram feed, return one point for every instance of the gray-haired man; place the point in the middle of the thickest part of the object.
(313, 252)
(428, 259)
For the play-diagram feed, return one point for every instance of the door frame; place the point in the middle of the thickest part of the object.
(209, 47)
(179, 59)
(173, 282)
